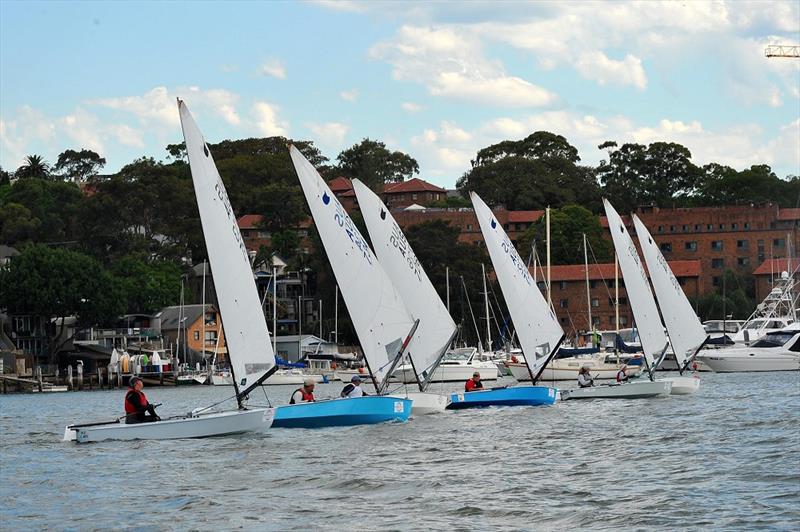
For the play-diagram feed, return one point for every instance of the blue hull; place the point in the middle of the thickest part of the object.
(342, 412)
(515, 396)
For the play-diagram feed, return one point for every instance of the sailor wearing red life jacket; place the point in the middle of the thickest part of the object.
(304, 394)
(622, 375)
(137, 408)
(474, 383)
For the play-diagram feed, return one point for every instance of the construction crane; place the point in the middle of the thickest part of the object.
(779, 50)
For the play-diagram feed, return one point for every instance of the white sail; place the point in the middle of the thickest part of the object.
(246, 334)
(436, 327)
(379, 315)
(535, 322)
(686, 333)
(645, 312)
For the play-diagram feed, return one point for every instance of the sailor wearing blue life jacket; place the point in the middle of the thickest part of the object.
(353, 389)
(304, 394)
(137, 408)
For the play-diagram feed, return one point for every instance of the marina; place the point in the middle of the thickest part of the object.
(604, 466)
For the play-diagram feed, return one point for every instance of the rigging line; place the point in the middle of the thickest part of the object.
(499, 309)
(264, 389)
(469, 304)
(215, 404)
(598, 270)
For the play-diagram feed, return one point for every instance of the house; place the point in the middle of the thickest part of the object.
(196, 330)
(413, 191)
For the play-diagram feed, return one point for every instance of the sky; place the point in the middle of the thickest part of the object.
(436, 80)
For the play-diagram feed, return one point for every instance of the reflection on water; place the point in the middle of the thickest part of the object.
(726, 457)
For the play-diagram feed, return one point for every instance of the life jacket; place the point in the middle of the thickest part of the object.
(472, 385)
(308, 397)
(132, 398)
(621, 375)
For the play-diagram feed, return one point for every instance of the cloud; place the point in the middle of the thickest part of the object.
(156, 105)
(349, 96)
(598, 67)
(411, 107)
(329, 134)
(267, 121)
(274, 68)
(341, 5)
(451, 63)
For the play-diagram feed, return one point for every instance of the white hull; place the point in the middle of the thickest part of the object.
(630, 390)
(684, 385)
(298, 377)
(567, 370)
(202, 426)
(424, 403)
(746, 361)
(451, 372)
(222, 380)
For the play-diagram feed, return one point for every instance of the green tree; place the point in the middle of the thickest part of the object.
(147, 286)
(722, 185)
(538, 171)
(5, 177)
(55, 204)
(50, 283)
(17, 224)
(734, 295)
(567, 227)
(78, 166)
(34, 166)
(375, 165)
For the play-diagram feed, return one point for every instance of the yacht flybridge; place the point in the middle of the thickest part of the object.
(775, 351)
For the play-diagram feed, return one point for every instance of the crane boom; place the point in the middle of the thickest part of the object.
(778, 50)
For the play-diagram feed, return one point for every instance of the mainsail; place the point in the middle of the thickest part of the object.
(436, 327)
(645, 312)
(379, 315)
(686, 333)
(535, 322)
(246, 334)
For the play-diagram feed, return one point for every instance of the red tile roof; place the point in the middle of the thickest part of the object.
(249, 221)
(524, 216)
(577, 272)
(775, 266)
(340, 184)
(412, 185)
(789, 214)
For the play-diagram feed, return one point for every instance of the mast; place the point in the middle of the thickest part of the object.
(616, 294)
(336, 316)
(299, 327)
(588, 294)
(447, 284)
(547, 224)
(486, 304)
(203, 315)
(274, 309)
(320, 319)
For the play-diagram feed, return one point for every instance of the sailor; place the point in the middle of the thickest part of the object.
(474, 383)
(137, 408)
(353, 389)
(304, 394)
(585, 380)
(622, 375)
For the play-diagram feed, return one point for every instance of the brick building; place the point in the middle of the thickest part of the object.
(514, 222)
(412, 192)
(770, 270)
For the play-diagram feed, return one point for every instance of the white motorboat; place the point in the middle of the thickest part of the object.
(249, 346)
(628, 390)
(601, 366)
(292, 376)
(721, 332)
(457, 365)
(776, 351)
(776, 312)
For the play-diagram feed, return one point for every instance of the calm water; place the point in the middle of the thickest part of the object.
(727, 457)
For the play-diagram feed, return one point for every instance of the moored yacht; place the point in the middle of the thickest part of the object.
(457, 365)
(776, 351)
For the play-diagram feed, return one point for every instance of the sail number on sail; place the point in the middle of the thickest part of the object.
(398, 240)
(223, 196)
(516, 260)
(345, 222)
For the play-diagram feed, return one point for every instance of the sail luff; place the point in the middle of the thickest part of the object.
(436, 326)
(534, 320)
(246, 334)
(686, 333)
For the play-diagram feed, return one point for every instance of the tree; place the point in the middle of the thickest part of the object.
(34, 166)
(78, 166)
(50, 283)
(375, 165)
(147, 286)
(54, 204)
(17, 224)
(567, 227)
(538, 171)
(734, 295)
(5, 177)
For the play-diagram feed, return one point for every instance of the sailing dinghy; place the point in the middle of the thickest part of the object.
(686, 333)
(380, 318)
(249, 347)
(536, 325)
(436, 328)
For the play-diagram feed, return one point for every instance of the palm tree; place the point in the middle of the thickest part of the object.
(35, 166)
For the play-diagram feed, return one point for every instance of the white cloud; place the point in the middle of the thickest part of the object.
(349, 96)
(411, 107)
(274, 68)
(84, 129)
(127, 135)
(450, 62)
(329, 134)
(267, 121)
(600, 68)
(341, 5)
(156, 105)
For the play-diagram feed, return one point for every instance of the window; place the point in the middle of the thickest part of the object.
(593, 284)
(211, 318)
(564, 303)
(563, 320)
(691, 246)
(671, 228)
(696, 227)
(660, 228)
(742, 244)
(717, 263)
(505, 226)
(595, 302)
(721, 227)
(778, 242)
(595, 321)
(197, 335)
(716, 281)
(685, 228)
(734, 226)
(562, 285)
(211, 337)
(666, 247)
(413, 196)
(747, 225)
(743, 261)
(469, 227)
(623, 320)
(542, 286)
(709, 227)
(716, 245)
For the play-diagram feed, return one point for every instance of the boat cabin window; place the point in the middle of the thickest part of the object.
(774, 339)
(457, 355)
(755, 324)
(796, 346)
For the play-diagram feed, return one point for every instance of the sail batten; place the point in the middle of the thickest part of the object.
(535, 322)
(246, 334)
(686, 333)
(643, 306)
(436, 327)
(379, 315)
